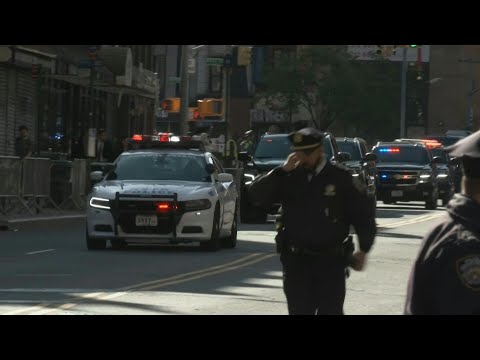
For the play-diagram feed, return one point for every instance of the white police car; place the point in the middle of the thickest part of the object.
(166, 190)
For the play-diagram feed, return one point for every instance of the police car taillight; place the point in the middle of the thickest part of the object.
(137, 138)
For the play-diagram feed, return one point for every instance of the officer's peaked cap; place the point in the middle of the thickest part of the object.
(468, 149)
(306, 139)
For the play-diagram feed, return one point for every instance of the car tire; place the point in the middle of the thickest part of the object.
(231, 241)
(214, 243)
(431, 204)
(95, 244)
(118, 244)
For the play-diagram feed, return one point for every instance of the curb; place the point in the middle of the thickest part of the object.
(47, 218)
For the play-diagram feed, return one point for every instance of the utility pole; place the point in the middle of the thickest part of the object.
(184, 90)
(403, 95)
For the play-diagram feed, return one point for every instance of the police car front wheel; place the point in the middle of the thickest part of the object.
(95, 244)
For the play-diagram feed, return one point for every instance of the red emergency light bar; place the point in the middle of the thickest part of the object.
(166, 207)
(137, 138)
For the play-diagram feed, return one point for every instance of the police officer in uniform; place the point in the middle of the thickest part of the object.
(319, 203)
(445, 278)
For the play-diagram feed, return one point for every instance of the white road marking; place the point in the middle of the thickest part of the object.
(39, 252)
(43, 275)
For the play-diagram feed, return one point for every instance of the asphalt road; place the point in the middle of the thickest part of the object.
(45, 268)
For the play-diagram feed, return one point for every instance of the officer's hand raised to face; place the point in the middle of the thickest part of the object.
(293, 161)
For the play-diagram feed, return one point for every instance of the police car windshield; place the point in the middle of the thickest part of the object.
(273, 148)
(402, 154)
(161, 166)
(351, 148)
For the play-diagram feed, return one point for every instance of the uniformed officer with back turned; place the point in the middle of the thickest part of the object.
(445, 279)
(319, 203)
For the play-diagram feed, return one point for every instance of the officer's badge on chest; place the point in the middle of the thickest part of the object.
(330, 190)
(468, 270)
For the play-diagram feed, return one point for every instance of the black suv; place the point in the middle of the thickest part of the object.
(271, 152)
(407, 171)
(362, 164)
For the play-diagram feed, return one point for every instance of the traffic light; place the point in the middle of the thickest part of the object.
(171, 105)
(244, 55)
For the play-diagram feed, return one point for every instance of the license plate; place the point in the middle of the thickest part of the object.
(397, 193)
(142, 220)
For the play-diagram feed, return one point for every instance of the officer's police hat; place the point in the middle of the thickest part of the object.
(306, 139)
(468, 149)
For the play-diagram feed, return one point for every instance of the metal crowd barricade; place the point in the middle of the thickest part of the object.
(78, 181)
(11, 184)
(36, 178)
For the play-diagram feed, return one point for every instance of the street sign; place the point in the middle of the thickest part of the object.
(173, 80)
(215, 61)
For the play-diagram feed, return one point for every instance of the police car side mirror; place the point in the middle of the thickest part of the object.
(370, 157)
(210, 168)
(224, 177)
(96, 176)
(436, 160)
(244, 156)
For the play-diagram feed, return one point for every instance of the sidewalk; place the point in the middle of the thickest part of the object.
(44, 215)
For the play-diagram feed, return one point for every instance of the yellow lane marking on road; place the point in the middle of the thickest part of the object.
(411, 221)
(47, 308)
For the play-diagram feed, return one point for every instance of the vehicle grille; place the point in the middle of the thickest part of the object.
(398, 177)
(129, 209)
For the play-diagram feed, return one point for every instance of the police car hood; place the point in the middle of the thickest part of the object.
(402, 166)
(185, 190)
(265, 165)
(464, 210)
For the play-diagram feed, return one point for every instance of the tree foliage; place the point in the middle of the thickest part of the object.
(327, 82)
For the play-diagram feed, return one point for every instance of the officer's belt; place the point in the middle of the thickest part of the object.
(336, 251)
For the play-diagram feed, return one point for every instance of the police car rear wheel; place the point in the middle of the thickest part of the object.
(214, 243)
(231, 241)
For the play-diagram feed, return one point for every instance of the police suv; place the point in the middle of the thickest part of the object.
(407, 171)
(167, 190)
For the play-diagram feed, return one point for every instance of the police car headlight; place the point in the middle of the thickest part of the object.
(425, 176)
(100, 203)
(195, 205)
(355, 175)
(442, 175)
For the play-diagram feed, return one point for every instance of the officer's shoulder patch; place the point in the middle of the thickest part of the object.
(468, 271)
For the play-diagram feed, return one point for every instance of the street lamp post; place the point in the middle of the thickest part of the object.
(403, 95)
(184, 89)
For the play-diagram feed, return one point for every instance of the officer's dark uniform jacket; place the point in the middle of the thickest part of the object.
(446, 276)
(317, 215)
